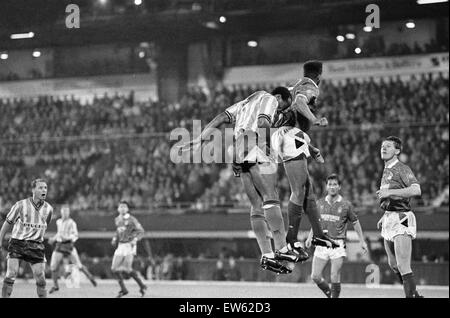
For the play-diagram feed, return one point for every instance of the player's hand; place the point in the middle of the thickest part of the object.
(113, 241)
(322, 122)
(315, 152)
(383, 194)
(308, 242)
(51, 240)
(193, 144)
(364, 247)
(380, 223)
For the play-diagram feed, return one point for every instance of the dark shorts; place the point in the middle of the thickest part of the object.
(32, 252)
(239, 168)
(64, 247)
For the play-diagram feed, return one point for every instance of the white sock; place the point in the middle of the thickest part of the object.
(269, 255)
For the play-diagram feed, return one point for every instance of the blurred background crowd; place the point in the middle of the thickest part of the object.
(94, 154)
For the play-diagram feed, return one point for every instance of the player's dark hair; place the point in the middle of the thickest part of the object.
(283, 91)
(125, 202)
(36, 181)
(312, 69)
(398, 144)
(334, 176)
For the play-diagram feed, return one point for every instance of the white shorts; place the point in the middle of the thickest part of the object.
(290, 143)
(326, 253)
(396, 223)
(248, 148)
(125, 249)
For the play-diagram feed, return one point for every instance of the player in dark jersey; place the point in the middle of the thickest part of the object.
(398, 224)
(293, 146)
(336, 213)
(129, 231)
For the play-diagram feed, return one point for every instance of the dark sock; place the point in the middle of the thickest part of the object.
(119, 278)
(294, 217)
(335, 290)
(323, 285)
(40, 290)
(55, 279)
(399, 276)
(86, 272)
(7, 288)
(314, 217)
(409, 285)
(135, 276)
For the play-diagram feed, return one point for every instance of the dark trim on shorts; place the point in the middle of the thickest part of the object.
(301, 156)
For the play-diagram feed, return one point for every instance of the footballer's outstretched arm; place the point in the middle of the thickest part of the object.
(219, 120)
(300, 105)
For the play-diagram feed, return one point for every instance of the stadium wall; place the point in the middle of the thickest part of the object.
(340, 69)
(143, 85)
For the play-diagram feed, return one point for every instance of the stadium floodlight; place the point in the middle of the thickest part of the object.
(222, 19)
(367, 28)
(138, 2)
(350, 36)
(17, 36)
(252, 43)
(410, 25)
(36, 53)
(340, 38)
(4, 56)
(430, 1)
(357, 50)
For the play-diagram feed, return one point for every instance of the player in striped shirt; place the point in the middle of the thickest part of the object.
(129, 231)
(29, 219)
(398, 224)
(292, 144)
(65, 237)
(336, 213)
(252, 117)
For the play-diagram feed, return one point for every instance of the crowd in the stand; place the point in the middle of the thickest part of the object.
(95, 154)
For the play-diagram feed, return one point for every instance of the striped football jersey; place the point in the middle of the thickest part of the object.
(245, 114)
(29, 220)
(66, 230)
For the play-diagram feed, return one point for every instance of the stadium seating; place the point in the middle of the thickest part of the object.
(114, 147)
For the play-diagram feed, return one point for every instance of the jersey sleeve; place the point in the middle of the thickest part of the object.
(138, 229)
(232, 111)
(407, 176)
(14, 214)
(307, 91)
(74, 231)
(268, 108)
(351, 215)
(49, 216)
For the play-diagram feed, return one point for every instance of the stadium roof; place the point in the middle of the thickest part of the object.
(104, 21)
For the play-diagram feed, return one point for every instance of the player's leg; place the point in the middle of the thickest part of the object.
(318, 265)
(392, 261)
(257, 218)
(75, 259)
(55, 263)
(403, 250)
(336, 266)
(265, 183)
(128, 267)
(116, 269)
(12, 269)
(296, 172)
(39, 276)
